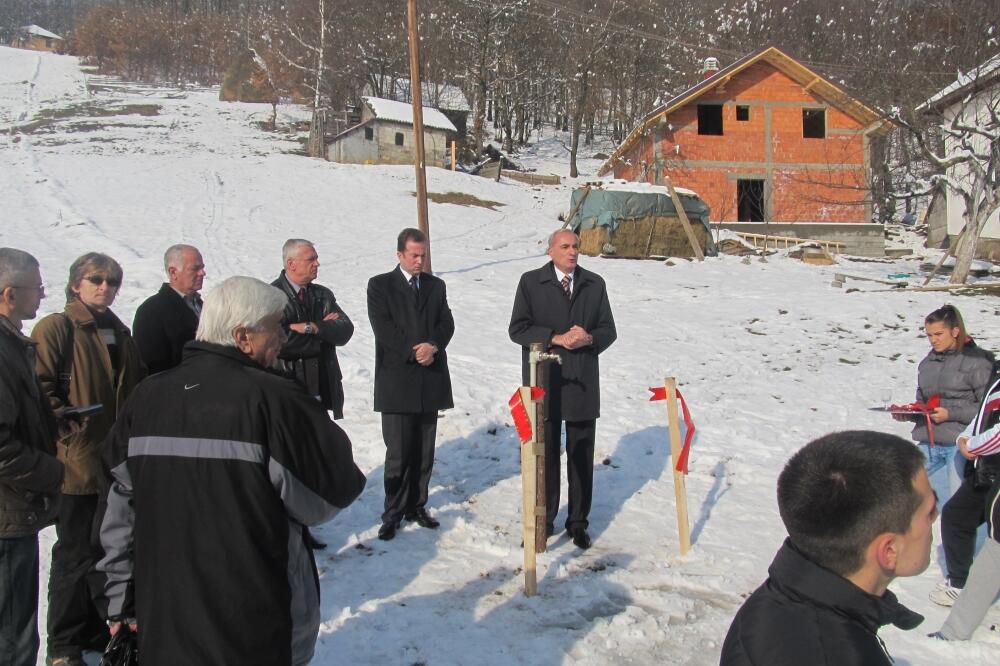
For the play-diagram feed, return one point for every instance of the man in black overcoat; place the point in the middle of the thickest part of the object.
(566, 308)
(315, 326)
(409, 313)
(168, 319)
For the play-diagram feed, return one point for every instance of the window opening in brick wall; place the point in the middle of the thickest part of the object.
(814, 123)
(399, 138)
(710, 119)
(750, 200)
(743, 113)
(369, 134)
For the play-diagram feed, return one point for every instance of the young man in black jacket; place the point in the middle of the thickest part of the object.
(858, 508)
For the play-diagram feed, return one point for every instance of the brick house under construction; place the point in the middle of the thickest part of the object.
(765, 139)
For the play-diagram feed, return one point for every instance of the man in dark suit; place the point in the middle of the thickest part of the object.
(409, 314)
(315, 325)
(566, 308)
(167, 320)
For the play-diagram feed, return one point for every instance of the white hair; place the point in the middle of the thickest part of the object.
(552, 236)
(174, 256)
(291, 247)
(15, 267)
(237, 302)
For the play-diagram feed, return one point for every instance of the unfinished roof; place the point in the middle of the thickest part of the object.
(813, 82)
(39, 32)
(401, 112)
(973, 81)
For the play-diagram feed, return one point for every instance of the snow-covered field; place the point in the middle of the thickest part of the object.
(768, 354)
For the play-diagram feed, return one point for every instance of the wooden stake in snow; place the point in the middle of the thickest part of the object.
(669, 393)
(418, 128)
(527, 406)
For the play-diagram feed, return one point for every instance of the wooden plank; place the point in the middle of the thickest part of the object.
(572, 213)
(680, 492)
(681, 213)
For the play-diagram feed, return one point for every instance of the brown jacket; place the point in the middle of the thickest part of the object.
(91, 381)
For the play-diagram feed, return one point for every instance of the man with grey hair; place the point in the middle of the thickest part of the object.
(218, 466)
(315, 325)
(566, 308)
(30, 474)
(167, 320)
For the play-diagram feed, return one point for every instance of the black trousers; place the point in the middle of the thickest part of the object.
(74, 623)
(961, 516)
(409, 459)
(579, 470)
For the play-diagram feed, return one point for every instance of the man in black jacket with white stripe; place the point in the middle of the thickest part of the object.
(218, 467)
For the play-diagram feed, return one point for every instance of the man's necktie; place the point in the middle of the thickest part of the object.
(414, 284)
(565, 285)
(301, 295)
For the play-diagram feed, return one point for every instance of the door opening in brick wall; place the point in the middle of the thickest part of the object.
(750, 200)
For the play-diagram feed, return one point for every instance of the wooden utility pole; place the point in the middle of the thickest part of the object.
(418, 128)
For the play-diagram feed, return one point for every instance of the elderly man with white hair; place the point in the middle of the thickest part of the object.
(218, 467)
(168, 319)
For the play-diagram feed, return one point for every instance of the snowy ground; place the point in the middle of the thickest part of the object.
(769, 356)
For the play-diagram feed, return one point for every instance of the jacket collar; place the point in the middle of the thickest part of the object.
(548, 274)
(195, 348)
(82, 316)
(798, 577)
(7, 328)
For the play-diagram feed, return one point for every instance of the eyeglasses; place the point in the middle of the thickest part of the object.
(98, 280)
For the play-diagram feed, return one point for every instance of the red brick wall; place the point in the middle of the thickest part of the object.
(818, 193)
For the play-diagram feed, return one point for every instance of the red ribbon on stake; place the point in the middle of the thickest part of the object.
(520, 412)
(660, 393)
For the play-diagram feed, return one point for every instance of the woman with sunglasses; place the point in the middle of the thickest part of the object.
(85, 356)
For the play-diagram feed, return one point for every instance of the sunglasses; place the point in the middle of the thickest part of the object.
(98, 280)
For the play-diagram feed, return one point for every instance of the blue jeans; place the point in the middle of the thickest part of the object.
(19, 601)
(945, 466)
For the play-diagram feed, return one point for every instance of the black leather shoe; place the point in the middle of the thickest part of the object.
(422, 518)
(580, 538)
(388, 531)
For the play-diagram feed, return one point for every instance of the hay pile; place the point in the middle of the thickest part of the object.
(643, 237)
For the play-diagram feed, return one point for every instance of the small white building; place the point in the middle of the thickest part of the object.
(385, 136)
(34, 38)
(969, 99)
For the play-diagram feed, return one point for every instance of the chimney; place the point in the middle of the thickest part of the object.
(710, 67)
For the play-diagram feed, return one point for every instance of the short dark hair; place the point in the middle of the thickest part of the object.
(407, 235)
(839, 492)
(949, 315)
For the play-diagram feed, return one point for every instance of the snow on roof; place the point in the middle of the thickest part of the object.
(402, 112)
(444, 96)
(644, 188)
(39, 32)
(967, 79)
